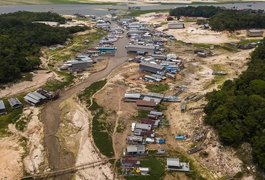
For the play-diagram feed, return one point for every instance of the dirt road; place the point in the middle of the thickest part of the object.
(58, 157)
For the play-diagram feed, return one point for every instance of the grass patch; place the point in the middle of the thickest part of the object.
(247, 41)
(9, 118)
(161, 107)
(157, 169)
(135, 13)
(92, 89)
(157, 88)
(226, 47)
(76, 45)
(27, 77)
(57, 85)
(100, 130)
(202, 45)
(195, 171)
(142, 114)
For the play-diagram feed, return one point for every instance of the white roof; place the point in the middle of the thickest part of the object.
(132, 95)
(135, 148)
(143, 126)
(173, 162)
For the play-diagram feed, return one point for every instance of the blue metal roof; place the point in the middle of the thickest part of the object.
(14, 102)
(2, 105)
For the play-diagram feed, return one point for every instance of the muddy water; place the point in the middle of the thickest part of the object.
(58, 157)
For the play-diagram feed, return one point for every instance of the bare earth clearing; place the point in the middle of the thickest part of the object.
(40, 77)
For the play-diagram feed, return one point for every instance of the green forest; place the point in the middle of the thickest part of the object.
(224, 19)
(21, 40)
(237, 110)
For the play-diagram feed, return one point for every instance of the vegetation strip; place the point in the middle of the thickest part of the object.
(237, 110)
(101, 131)
(224, 19)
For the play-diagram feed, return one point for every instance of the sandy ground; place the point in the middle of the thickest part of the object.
(198, 78)
(39, 79)
(18, 155)
(11, 166)
(34, 156)
(74, 133)
(34, 133)
(192, 33)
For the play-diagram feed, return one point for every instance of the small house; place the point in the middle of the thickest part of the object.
(130, 162)
(176, 25)
(14, 103)
(131, 97)
(183, 106)
(175, 164)
(155, 95)
(76, 66)
(145, 105)
(157, 113)
(144, 49)
(135, 139)
(135, 150)
(2, 107)
(255, 33)
(142, 126)
(171, 99)
(144, 170)
(154, 99)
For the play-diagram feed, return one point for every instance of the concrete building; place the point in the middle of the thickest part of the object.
(135, 150)
(14, 103)
(175, 164)
(255, 33)
(2, 107)
(152, 68)
(140, 48)
(176, 25)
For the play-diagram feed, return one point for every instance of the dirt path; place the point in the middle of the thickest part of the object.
(114, 133)
(58, 157)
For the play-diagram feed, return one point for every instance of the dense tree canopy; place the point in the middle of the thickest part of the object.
(198, 11)
(20, 41)
(224, 19)
(237, 111)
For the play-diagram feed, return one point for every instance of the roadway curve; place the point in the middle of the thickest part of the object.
(58, 157)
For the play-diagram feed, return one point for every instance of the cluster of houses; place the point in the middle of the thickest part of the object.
(149, 45)
(106, 46)
(40, 96)
(79, 64)
(148, 101)
(13, 102)
(143, 133)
